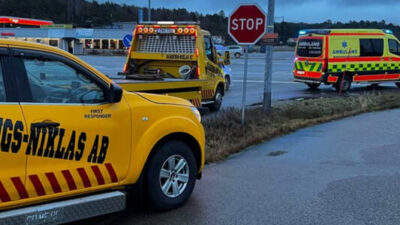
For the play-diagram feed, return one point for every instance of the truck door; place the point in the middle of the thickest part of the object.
(77, 139)
(212, 68)
(12, 135)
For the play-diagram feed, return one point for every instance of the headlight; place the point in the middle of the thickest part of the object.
(196, 113)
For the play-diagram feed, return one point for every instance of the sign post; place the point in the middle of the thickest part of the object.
(268, 57)
(247, 24)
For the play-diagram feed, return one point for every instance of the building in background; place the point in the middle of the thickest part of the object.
(103, 40)
(270, 39)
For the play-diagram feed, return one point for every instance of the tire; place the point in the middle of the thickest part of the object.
(374, 86)
(398, 84)
(227, 83)
(237, 55)
(170, 153)
(216, 105)
(313, 86)
(346, 84)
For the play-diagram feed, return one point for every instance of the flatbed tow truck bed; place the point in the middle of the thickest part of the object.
(187, 89)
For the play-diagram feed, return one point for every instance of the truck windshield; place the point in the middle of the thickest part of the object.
(309, 48)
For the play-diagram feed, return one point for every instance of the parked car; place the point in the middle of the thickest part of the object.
(220, 49)
(235, 50)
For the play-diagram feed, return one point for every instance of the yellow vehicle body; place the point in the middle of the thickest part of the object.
(331, 56)
(162, 50)
(59, 150)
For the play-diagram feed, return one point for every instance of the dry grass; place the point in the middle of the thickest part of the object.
(225, 135)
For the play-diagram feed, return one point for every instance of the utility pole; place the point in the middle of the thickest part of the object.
(149, 11)
(268, 58)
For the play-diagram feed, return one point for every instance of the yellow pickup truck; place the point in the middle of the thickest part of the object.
(73, 143)
(178, 59)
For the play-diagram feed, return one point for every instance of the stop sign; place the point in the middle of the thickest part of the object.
(247, 24)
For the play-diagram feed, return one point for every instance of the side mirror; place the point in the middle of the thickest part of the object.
(227, 58)
(114, 93)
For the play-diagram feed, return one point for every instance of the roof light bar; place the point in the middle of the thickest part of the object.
(302, 32)
(388, 31)
(171, 22)
(314, 31)
(165, 22)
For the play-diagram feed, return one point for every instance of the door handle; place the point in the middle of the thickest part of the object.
(45, 125)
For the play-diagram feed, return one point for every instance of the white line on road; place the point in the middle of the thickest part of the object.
(261, 81)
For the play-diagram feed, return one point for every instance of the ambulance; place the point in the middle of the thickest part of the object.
(74, 144)
(340, 57)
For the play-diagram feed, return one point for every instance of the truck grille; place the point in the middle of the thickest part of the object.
(166, 44)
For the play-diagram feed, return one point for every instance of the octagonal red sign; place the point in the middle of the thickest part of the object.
(247, 24)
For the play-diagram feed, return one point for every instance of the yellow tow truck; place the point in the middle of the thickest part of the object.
(177, 59)
(74, 143)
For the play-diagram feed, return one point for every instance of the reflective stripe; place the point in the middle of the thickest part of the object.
(20, 187)
(99, 176)
(309, 66)
(70, 180)
(84, 177)
(111, 172)
(363, 66)
(53, 182)
(37, 184)
(4, 197)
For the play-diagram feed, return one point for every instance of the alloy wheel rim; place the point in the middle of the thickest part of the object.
(174, 176)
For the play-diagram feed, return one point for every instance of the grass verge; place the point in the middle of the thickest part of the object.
(225, 135)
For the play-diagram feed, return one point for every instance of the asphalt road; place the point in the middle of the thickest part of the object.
(344, 172)
(282, 85)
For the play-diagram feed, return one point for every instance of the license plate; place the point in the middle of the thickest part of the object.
(165, 31)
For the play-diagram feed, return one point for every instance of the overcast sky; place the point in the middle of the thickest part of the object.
(294, 10)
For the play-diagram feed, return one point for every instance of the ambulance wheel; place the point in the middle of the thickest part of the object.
(398, 84)
(374, 85)
(237, 55)
(171, 175)
(313, 86)
(346, 85)
(216, 105)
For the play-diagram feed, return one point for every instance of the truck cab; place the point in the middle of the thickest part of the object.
(71, 138)
(173, 57)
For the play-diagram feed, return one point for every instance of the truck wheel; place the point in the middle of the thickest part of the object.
(398, 84)
(237, 55)
(346, 84)
(171, 175)
(313, 86)
(216, 105)
(227, 83)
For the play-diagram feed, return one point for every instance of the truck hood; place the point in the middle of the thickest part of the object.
(164, 99)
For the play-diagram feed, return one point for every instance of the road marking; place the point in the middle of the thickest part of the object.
(274, 82)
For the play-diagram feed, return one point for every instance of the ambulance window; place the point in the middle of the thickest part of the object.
(371, 47)
(394, 47)
(309, 48)
(2, 88)
(53, 81)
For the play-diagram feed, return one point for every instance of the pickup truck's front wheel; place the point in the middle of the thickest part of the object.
(171, 175)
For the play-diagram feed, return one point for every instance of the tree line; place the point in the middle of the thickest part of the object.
(83, 13)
